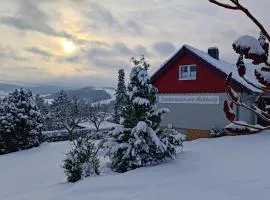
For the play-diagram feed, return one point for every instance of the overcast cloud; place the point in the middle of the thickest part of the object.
(107, 33)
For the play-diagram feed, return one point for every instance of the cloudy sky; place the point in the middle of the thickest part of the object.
(84, 42)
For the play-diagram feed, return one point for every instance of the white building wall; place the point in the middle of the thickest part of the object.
(197, 111)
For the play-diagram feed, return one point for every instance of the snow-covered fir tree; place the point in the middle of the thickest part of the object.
(121, 96)
(140, 142)
(82, 161)
(142, 98)
(20, 121)
(47, 123)
(60, 106)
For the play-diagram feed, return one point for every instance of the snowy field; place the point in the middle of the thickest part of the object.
(228, 168)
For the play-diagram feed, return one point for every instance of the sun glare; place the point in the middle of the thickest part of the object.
(69, 46)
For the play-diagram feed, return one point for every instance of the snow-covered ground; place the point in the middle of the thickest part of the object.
(228, 168)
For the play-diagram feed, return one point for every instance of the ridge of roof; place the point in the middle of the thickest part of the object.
(220, 65)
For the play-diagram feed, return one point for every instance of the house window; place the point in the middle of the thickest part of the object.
(187, 72)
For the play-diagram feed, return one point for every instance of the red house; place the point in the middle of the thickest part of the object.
(191, 85)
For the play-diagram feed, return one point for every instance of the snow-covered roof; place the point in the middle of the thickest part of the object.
(220, 65)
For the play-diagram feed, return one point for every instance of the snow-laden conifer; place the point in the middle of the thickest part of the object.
(120, 96)
(20, 121)
(140, 142)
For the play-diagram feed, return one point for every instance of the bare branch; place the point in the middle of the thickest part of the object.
(238, 6)
(227, 6)
(256, 86)
(248, 126)
(238, 101)
(249, 108)
(258, 24)
(267, 64)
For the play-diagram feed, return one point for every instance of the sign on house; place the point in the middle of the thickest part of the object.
(189, 99)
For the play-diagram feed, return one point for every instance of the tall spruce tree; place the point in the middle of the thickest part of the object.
(140, 142)
(121, 96)
(60, 108)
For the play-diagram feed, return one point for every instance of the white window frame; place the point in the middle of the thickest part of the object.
(189, 77)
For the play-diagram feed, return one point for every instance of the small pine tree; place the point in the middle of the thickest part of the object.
(20, 121)
(140, 142)
(82, 160)
(121, 96)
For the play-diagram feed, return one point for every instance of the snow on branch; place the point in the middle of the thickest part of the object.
(160, 111)
(243, 127)
(251, 48)
(141, 101)
(249, 43)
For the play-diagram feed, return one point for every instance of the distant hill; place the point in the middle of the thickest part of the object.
(91, 94)
(6, 88)
(45, 89)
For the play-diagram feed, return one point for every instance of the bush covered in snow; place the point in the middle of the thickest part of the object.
(20, 122)
(172, 138)
(82, 160)
(142, 146)
(217, 132)
(140, 143)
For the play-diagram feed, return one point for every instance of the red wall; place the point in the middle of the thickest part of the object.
(207, 80)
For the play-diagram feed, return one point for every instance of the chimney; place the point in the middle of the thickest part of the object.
(213, 52)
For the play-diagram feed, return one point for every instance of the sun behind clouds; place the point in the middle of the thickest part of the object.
(69, 46)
